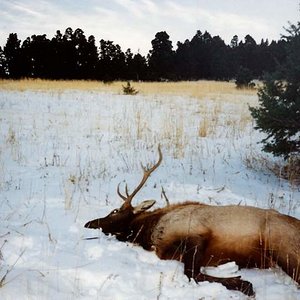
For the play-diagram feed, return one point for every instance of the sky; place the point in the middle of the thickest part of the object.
(133, 24)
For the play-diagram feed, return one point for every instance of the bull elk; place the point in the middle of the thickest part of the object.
(203, 235)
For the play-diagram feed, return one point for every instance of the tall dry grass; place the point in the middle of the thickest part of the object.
(220, 104)
(196, 89)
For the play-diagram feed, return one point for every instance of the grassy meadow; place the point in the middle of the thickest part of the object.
(196, 89)
(66, 145)
(217, 93)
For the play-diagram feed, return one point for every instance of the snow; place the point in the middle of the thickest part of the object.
(62, 155)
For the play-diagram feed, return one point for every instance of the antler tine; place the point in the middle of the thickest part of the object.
(118, 191)
(147, 173)
(126, 190)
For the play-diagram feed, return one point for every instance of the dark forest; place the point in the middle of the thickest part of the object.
(74, 56)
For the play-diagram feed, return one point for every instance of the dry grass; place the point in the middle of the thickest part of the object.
(290, 170)
(220, 105)
(223, 109)
(197, 89)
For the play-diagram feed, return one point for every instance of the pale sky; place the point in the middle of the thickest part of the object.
(133, 24)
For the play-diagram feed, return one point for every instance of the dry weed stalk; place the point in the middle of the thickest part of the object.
(203, 128)
(289, 171)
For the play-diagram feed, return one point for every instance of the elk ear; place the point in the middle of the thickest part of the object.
(143, 206)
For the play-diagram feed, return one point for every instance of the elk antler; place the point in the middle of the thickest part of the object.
(147, 172)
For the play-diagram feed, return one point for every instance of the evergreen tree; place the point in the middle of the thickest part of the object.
(247, 55)
(91, 58)
(27, 61)
(69, 55)
(220, 62)
(243, 78)
(86, 55)
(136, 66)
(39, 54)
(161, 57)
(112, 64)
(279, 112)
(184, 61)
(12, 54)
(139, 67)
(79, 43)
(234, 57)
(201, 53)
(2, 64)
(57, 57)
(129, 73)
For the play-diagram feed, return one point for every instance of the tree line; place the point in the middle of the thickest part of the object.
(74, 56)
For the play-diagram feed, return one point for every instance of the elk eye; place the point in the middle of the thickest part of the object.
(115, 211)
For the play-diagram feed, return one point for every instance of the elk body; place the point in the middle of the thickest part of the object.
(203, 235)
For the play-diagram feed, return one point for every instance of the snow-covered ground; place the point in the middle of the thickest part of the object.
(62, 155)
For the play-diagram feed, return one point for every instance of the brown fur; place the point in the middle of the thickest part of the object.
(204, 235)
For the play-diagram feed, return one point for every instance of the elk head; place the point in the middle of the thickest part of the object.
(117, 221)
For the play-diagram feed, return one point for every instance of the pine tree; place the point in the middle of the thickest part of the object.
(161, 57)
(12, 54)
(244, 78)
(2, 64)
(278, 114)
